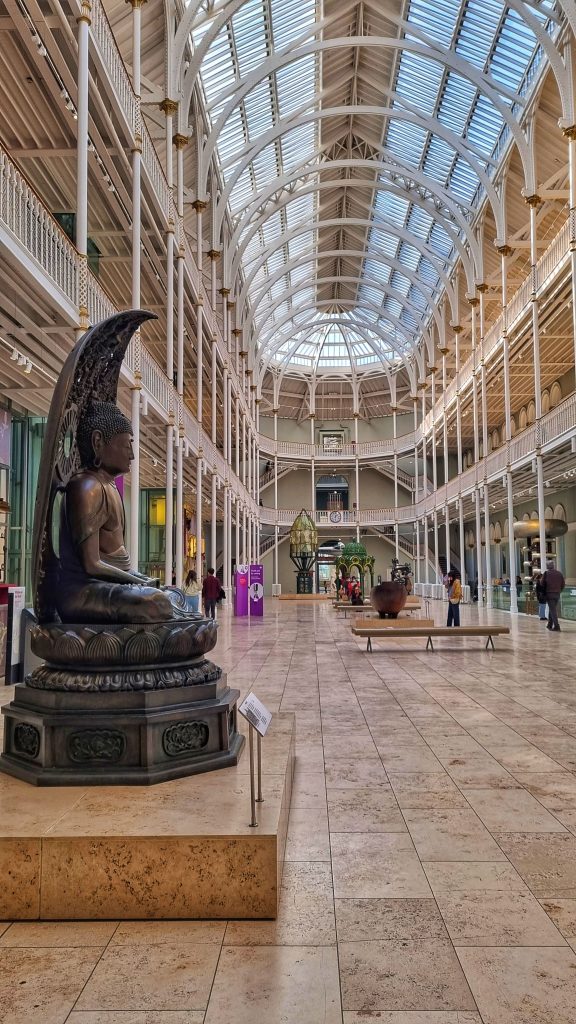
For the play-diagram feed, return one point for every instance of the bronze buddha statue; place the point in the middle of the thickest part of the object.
(96, 582)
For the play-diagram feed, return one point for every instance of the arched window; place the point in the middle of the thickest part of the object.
(555, 394)
(523, 419)
(545, 401)
(531, 412)
(560, 512)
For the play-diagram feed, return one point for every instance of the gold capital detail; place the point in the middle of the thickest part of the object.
(534, 200)
(86, 13)
(169, 107)
(570, 132)
(199, 205)
(180, 141)
(482, 287)
(237, 331)
(214, 254)
(457, 328)
(505, 250)
(474, 301)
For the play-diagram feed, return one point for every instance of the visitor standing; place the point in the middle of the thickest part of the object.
(454, 589)
(210, 594)
(192, 591)
(540, 595)
(554, 584)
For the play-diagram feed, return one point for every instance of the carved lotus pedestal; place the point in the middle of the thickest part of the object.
(121, 705)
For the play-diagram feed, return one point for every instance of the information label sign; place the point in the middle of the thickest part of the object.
(253, 710)
(241, 590)
(256, 590)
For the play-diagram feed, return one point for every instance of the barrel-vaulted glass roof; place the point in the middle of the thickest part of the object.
(355, 147)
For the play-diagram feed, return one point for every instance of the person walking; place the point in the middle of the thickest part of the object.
(210, 594)
(554, 584)
(540, 595)
(454, 588)
(192, 591)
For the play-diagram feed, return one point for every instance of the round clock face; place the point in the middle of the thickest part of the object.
(335, 517)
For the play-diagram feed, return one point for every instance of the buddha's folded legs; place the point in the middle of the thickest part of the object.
(97, 601)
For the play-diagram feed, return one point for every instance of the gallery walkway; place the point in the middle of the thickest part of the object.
(431, 858)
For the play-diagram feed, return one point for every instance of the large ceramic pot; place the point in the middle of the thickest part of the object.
(388, 599)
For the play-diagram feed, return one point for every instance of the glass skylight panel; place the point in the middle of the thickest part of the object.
(463, 180)
(439, 159)
(407, 141)
(456, 102)
(419, 79)
(438, 20)
(390, 207)
(476, 36)
(295, 84)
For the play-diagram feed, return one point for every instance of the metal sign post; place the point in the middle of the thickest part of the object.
(258, 718)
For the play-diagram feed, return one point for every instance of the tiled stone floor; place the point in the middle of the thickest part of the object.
(431, 858)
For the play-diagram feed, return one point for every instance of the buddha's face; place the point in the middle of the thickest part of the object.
(115, 455)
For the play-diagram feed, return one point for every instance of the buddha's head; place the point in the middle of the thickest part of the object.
(104, 438)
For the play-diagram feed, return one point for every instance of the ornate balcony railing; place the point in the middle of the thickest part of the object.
(36, 231)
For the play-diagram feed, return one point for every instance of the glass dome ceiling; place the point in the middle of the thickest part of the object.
(355, 142)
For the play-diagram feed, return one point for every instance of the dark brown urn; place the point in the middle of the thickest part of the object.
(388, 599)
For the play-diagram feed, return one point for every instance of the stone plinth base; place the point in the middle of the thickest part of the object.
(124, 737)
(182, 850)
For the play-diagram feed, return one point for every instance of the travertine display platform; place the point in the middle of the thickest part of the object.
(181, 849)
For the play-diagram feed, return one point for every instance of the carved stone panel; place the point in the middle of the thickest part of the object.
(26, 740)
(96, 745)
(184, 737)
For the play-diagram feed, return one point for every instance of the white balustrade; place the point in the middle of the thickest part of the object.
(100, 305)
(105, 43)
(33, 226)
(559, 421)
(153, 168)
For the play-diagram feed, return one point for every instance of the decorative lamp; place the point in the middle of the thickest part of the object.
(303, 550)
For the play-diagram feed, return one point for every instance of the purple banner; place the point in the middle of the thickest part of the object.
(241, 590)
(256, 590)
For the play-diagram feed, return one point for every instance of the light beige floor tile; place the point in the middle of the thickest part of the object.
(556, 790)
(513, 810)
(376, 865)
(308, 790)
(413, 1017)
(305, 916)
(471, 876)
(522, 985)
(137, 1017)
(42, 985)
(153, 933)
(563, 913)
(167, 977)
(546, 862)
(496, 919)
(391, 920)
(418, 975)
(425, 789)
(355, 773)
(276, 985)
(307, 835)
(364, 810)
(54, 934)
(479, 771)
(451, 835)
(406, 757)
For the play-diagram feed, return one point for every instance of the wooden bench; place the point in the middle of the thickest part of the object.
(346, 606)
(381, 628)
